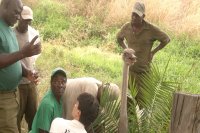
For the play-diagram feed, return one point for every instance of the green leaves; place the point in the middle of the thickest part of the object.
(156, 100)
(107, 121)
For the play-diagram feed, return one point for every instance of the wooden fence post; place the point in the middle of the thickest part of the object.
(185, 116)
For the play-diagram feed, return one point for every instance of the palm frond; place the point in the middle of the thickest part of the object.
(154, 117)
(107, 121)
(157, 98)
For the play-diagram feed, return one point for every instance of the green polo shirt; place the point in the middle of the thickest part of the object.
(12, 74)
(48, 110)
(142, 43)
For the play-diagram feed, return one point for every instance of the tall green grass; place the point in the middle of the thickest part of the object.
(82, 44)
(78, 62)
(51, 19)
(79, 35)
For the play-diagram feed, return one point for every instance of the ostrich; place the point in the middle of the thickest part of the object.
(91, 85)
(129, 58)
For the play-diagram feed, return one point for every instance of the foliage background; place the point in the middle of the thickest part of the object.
(79, 36)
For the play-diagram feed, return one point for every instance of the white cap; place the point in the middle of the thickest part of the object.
(27, 13)
(139, 8)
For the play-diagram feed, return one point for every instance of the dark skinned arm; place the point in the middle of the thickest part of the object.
(8, 59)
(30, 49)
(121, 42)
(32, 76)
(159, 47)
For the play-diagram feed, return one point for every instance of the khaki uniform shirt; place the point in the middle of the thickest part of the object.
(142, 43)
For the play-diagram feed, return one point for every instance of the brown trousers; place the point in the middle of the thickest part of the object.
(9, 107)
(28, 104)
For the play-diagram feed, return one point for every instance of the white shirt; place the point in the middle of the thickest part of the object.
(60, 125)
(22, 39)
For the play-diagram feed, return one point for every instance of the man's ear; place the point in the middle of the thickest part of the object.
(79, 113)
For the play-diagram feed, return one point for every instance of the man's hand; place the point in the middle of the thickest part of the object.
(32, 76)
(31, 49)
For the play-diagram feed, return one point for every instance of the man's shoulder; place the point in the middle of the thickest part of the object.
(150, 26)
(2, 25)
(48, 99)
(127, 25)
(60, 120)
(4, 29)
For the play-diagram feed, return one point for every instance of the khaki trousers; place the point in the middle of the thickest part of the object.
(9, 107)
(28, 104)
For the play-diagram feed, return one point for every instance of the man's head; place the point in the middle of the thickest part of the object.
(138, 13)
(10, 11)
(25, 19)
(58, 82)
(86, 109)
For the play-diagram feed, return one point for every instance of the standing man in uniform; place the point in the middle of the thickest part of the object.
(11, 69)
(27, 89)
(140, 35)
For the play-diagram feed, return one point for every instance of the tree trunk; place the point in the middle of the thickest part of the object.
(185, 114)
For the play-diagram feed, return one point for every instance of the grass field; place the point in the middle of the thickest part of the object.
(80, 35)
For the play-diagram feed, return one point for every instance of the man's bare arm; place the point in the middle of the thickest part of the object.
(159, 47)
(8, 59)
(121, 42)
(30, 49)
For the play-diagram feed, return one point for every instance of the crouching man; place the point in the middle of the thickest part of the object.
(85, 111)
(51, 104)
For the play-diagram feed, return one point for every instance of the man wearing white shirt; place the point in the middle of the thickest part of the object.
(85, 111)
(27, 90)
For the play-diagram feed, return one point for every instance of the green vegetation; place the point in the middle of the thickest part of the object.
(85, 46)
(80, 37)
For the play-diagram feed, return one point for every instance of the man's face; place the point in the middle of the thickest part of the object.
(12, 12)
(136, 19)
(58, 85)
(23, 25)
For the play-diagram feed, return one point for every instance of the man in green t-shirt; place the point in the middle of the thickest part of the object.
(51, 104)
(140, 35)
(27, 89)
(11, 70)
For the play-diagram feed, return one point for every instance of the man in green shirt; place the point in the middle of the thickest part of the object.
(140, 36)
(27, 89)
(51, 105)
(11, 70)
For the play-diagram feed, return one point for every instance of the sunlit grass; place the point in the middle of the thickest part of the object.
(78, 62)
(80, 36)
(87, 37)
(176, 15)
